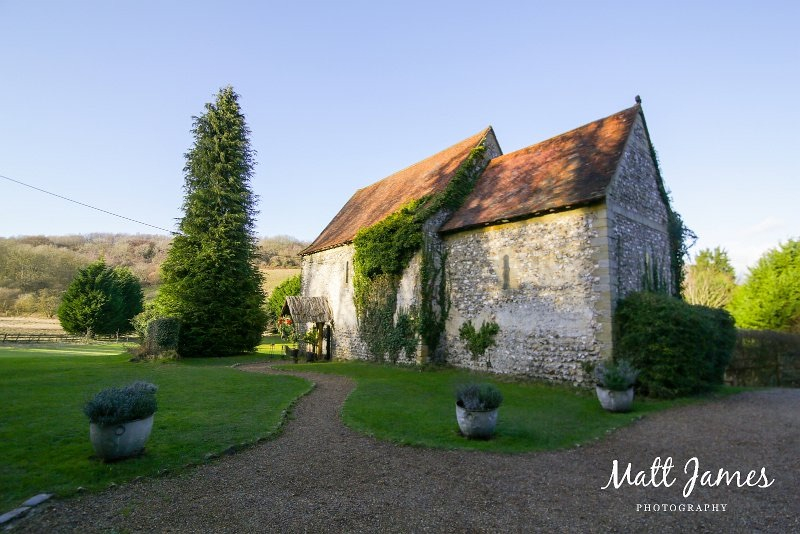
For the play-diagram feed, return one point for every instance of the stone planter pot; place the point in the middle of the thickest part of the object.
(114, 442)
(476, 423)
(615, 401)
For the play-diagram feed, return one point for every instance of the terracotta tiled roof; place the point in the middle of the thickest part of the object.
(571, 169)
(379, 200)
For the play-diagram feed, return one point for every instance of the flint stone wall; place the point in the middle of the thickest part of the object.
(547, 311)
(637, 218)
(329, 273)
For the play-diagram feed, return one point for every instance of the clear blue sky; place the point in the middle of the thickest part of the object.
(97, 99)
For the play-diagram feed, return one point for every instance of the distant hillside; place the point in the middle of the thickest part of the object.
(35, 270)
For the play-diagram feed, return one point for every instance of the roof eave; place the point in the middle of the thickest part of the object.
(540, 213)
(308, 251)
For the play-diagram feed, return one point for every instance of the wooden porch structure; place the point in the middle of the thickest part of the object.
(304, 310)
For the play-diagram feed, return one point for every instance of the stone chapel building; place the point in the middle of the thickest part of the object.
(547, 242)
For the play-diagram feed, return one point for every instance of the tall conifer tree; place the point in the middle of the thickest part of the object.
(210, 281)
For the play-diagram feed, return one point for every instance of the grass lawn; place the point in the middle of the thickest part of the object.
(414, 407)
(205, 407)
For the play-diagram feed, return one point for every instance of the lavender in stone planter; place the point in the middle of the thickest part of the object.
(120, 419)
(615, 382)
(476, 409)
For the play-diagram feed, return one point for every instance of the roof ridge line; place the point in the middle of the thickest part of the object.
(570, 131)
(485, 131)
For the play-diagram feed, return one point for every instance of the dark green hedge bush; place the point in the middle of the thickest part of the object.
(765, 358)
(163, 333)
(679, 348)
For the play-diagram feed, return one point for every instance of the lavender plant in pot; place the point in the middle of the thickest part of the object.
(476, 409)
(614, 385)
(120, 419)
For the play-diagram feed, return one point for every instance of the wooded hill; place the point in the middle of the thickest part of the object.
(35, 270)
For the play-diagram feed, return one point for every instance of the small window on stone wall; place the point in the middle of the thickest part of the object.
(506, 273)
(347, 272)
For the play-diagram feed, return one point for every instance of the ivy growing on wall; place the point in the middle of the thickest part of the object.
(382, 253)
(460, 185)
(435, 305)
(652, 276)
(387, 246)
(384, 337)
(478, 340)
(681, 237)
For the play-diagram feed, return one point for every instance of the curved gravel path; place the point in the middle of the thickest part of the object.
(320, 476)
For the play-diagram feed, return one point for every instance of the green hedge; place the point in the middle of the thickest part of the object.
(765, 358)
(163, 334)
(680, 349)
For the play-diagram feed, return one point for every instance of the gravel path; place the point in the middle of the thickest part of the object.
(320, 476)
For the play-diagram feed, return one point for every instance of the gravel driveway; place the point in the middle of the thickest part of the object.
(320, 476)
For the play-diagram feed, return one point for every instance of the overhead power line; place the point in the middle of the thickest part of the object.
(87, 205)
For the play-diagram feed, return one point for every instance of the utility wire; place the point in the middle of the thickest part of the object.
(87, 205)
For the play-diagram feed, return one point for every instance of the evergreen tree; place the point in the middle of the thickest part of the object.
(287, 288)
(770, 298)
(210, 281)
(100, 300)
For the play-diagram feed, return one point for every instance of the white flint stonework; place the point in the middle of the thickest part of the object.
(547, 315)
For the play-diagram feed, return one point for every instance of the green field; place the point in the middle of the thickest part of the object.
(205, 407)
(413, 407)
(273, 277)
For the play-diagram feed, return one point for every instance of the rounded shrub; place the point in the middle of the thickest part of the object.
(679, 348)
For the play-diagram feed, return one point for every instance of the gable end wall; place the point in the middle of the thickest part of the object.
(329, 273)
(637, 218)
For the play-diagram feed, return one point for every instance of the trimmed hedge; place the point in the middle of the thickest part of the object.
(163, 334)
(680, 349)
(765, 358)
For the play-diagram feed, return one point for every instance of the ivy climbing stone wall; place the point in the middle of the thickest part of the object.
(329, 273)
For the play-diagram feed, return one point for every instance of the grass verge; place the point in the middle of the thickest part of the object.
(417, 408)
(204, 409)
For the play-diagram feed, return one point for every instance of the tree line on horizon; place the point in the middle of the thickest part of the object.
(35, 271)
(769, 297)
